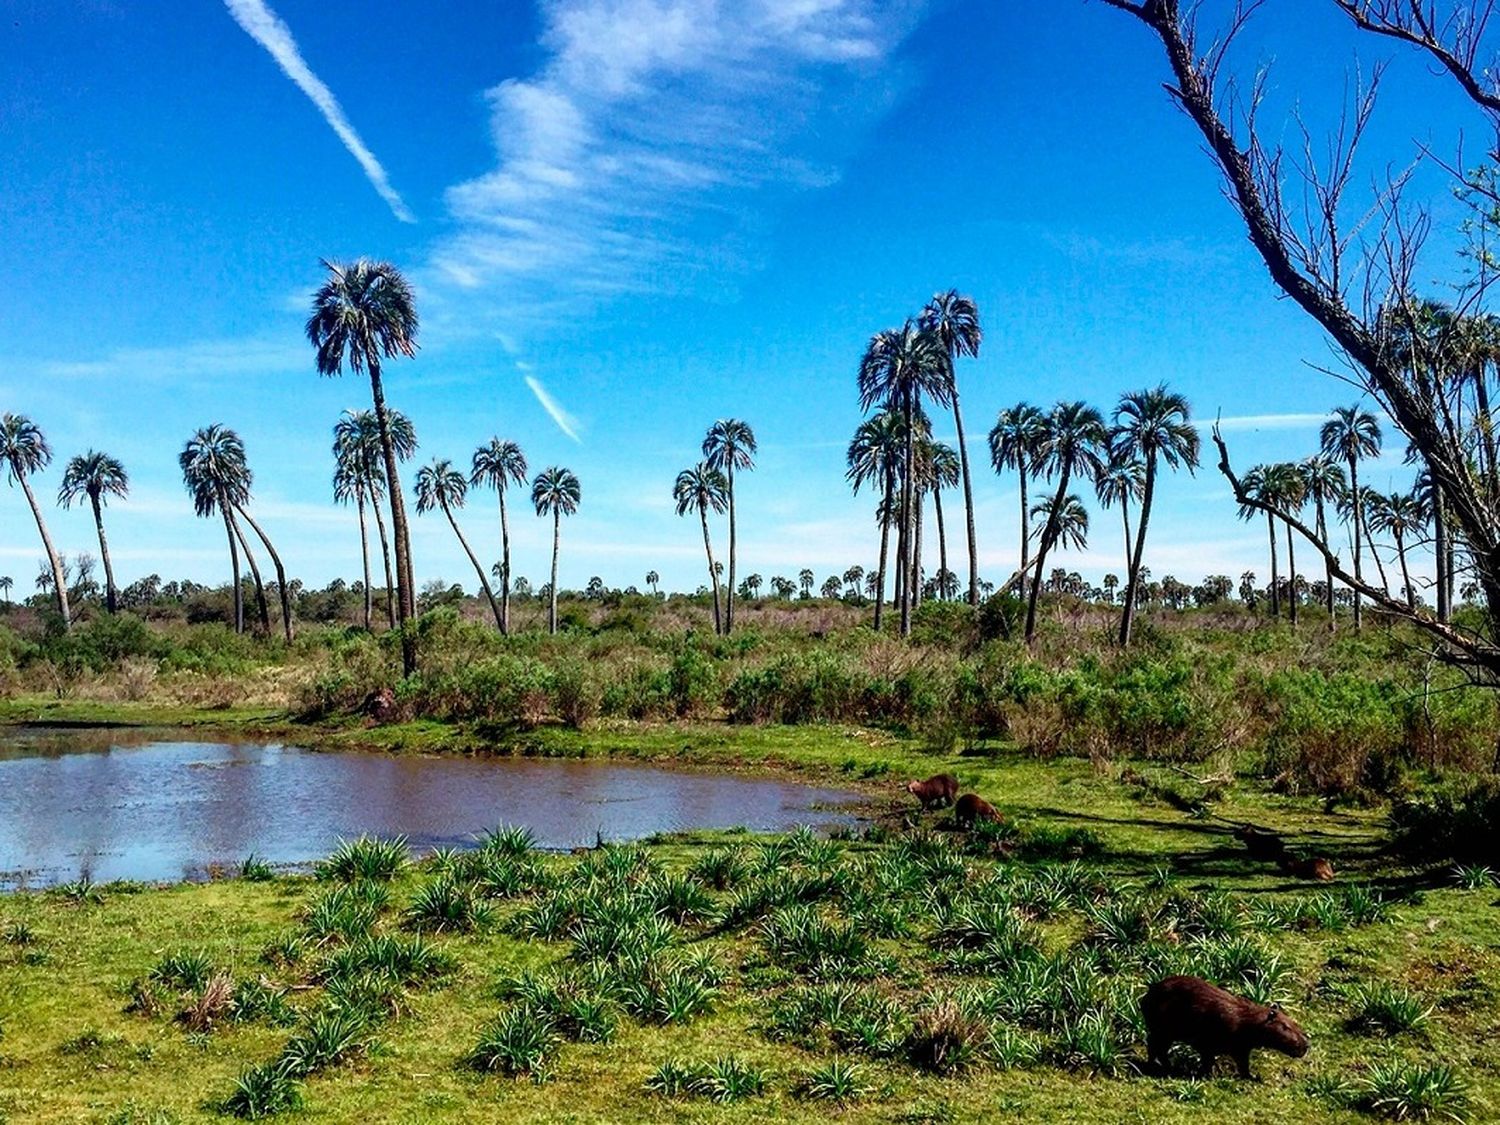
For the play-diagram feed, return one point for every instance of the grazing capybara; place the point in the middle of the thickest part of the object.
(1263, 843)
(1214, 1022)
(971, 807)
(1314, 868)
(940, 789)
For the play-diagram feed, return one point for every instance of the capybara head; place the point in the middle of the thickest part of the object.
(1282, 1033)
(914, 786)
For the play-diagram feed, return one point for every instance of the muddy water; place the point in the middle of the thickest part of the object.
(123, 805)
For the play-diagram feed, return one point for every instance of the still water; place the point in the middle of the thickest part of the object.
(133, 805)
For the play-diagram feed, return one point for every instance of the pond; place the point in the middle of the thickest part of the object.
(148, 806)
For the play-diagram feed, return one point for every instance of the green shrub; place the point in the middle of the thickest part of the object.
(1386, 1009)
(366, 859)
(264, 1091)
(521, 1041)
(1413, 1092)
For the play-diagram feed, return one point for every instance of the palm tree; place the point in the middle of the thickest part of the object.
(1350, 436)
(874, 455)
(97, 476)
(440, 485)
(349, 485)
(283, 589)
(1286, 487)
(900, 367)
(1122, 481)
(730, 445)
(954, 320)
(942, 469)
(652, 578)
(1258, 482)
(363, 314)
(702, 488)
(24, 449)
(806, 579)
(216, 475)
(555, 491)
(1430, 499)
(1070, 518)
(1151, 426)
(497, 465)
(7, 584)
(1324, 483)
(1397, 515)
(357, 439)
(1014, 442)
(1072, 445)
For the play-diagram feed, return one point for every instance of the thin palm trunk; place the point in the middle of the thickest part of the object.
(733, 543)
(1291, 578)
(1354, 509)
(364, 552)
(405, 594)
(1486, 431)
(283, 593)
(504, 564)
(59, 580)
(1327, 560)
(1025, 517)
(1049, 530)
(904, 542)
(1411, 600)
(385, 555)
(1275, 578)
(1440, 551)
(963, 461)
(260, 587)
(713, 576)
(1133, 556)
(916, 566)
(937, 507)
(885, 539)
(552, 589)
(1385, 583)
(111, 596)
(478, 569)
(234, 567)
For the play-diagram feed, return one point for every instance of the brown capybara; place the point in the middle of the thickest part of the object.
(940, 789)
(1314, 868)
(1214, 1022)
(971, 807)
(1263, 843)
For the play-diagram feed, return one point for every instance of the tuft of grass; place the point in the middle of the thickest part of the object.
(724, 1080)
(213, 1004)
(17, 932)
(1413, 1092)
(945, 1039)
(366, 858)
(330, 1036)
(671, 1079)
(521, 1041)
(836, 1080)
(264, 1091)
(261, 1000)
(408, 960)
(256, 870)
(510, 840)
(1386, 1009)
(185, 969)
(447, 904)
(721, 868)
(81, 892)
(1475, 877)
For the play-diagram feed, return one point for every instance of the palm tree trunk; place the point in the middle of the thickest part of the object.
(260, 588)
(234, 567)
(1385, 583)
(916, 566)
(733, 542)
(1025, 518)
(713, 576)
(504, 564)
(59, 580)
(284, 594)
(385, 555)
(1291, 578)
(111, 596)
(903, 544)
(937, 506)
(364, 553)
(1486, 431)
(556, 542)
(1048, 532)
(405, 594)
(1354, 510)
(884, 514)
(478, 569)
(1275, 581)
(1411, 600)
(1327, 562)
(1133, 556)
(1440, 551)
(963, 461)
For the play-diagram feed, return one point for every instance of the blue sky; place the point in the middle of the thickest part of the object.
(660, 212)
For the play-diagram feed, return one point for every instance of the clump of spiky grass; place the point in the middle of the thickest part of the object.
(1386, 1009)
(187, 970)
(286, 948)
(261, 1000)
(511, 840)
(836, 1080)
(946, 1039)
(80, 892)
(264, 1091)
(1413, 1092)
(366, 858)
(1476, 877)
(722, 869)
(1090, 1042)
(804, 940)
(345, 912)
(212, 1005)
(18, 932)
(448, 904)
(330, 1036)
(521, 1041)
(724, 1080)
(256, 870)
(682, 899)
(408, 960)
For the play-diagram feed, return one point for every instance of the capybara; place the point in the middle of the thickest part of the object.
(971, 807)
(1214, 1022)
(1263, 843)
(940, 789)
(1314, 868)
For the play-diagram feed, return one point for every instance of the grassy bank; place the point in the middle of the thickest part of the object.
(949, 983)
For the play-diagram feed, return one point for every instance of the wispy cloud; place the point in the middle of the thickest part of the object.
(641, 154)
(1266, 422)
(256, 355)
(268, 29)
(565, 421)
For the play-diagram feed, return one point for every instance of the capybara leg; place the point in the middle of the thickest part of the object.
(1242, 1060)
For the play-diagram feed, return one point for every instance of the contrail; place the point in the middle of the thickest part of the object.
(267, 29)
(565, 421)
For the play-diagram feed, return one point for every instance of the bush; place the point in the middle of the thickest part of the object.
(264, 1091)
(1413, 1091)
(1459, 823)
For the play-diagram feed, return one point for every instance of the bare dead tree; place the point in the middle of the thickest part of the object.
(1353, 271)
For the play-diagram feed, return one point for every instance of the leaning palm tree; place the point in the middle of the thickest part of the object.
(1398, 515)
(216, 475)
(700, 489)
(1351, 436)
(1324, 483)
(1014, 442)
(24, 449)
(1151, 426)
(555, 491)
(440, 485)
(1122, 481)
(97, 476)
(1072, 445)
(498, 465)
(874, 456)
(900, 367)
(954, 320)
(363, 314)
(730, 445)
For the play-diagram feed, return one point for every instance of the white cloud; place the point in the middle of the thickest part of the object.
(565, 421)
(218, 358)
(267, 28)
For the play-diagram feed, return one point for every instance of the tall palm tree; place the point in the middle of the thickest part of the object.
(7, 584)
(954, 320)
(1286, 487)
(1430, 500)
(216, 475)
(806, 579)
(1257, 482)
(730, 445)
(498, 465)
(874, 456)
(363, 314)
(943, 467)
(97, 476)
(1072, 445)
(357, 437)
(1071, 520)
(349, 487)
(1324, 483)
(1123, 480)
(1398, 515)
(1152, 426)
(899, 368)
(1014, 442)
(652, 578)
(283, 588)
(555, 491)
(440, 485)
(1351, 436)
(24, 449)
(700, 489)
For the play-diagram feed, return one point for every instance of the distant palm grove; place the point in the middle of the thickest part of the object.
(364, 315)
